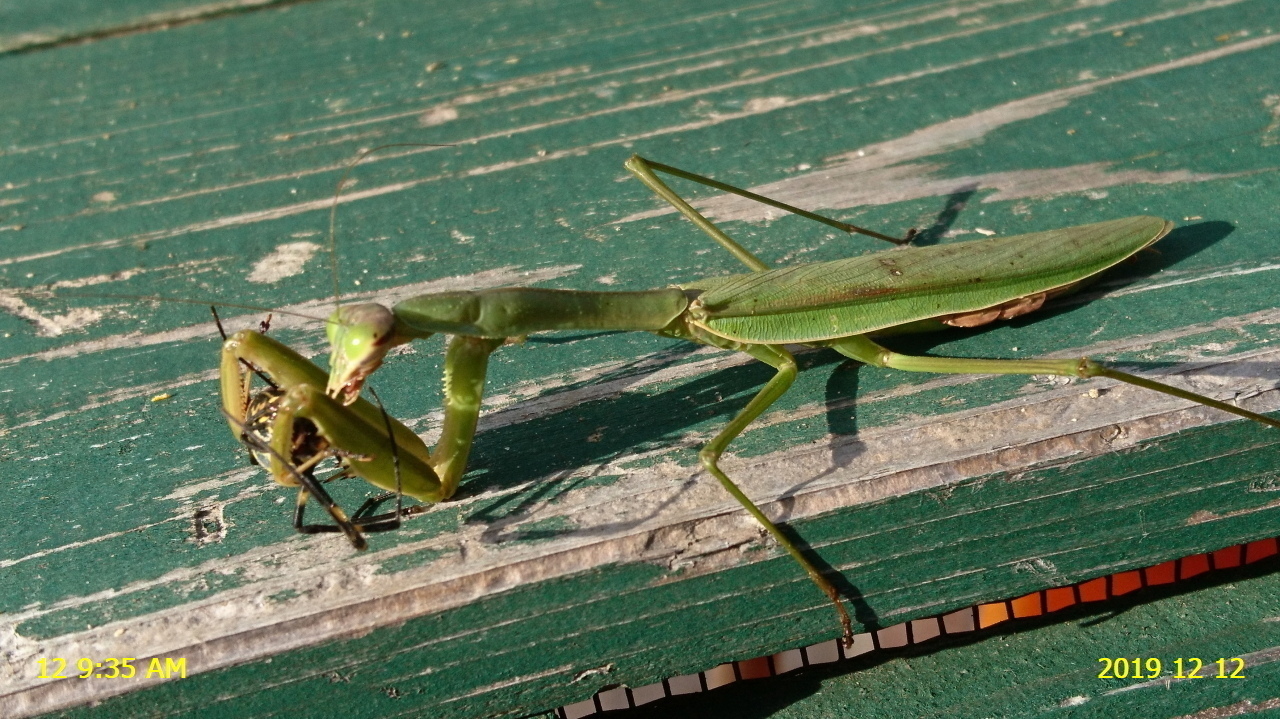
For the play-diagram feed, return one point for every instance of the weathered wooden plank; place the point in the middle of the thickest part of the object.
(197, 163)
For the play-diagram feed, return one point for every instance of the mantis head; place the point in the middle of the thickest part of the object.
(359, 338)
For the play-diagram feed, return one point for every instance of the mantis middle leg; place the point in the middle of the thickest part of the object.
(785, 364)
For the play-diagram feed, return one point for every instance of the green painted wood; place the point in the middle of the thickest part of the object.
(198, 162)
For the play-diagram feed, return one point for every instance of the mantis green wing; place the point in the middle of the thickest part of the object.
(829, 300)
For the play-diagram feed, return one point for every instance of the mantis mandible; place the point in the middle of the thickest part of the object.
(309, 415)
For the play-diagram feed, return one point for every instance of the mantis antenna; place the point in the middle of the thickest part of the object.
(337, 195)
(162, 298)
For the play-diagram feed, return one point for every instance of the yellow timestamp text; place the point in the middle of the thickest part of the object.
(1180, 668)
(112, 668)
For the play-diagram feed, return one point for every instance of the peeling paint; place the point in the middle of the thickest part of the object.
(287, 260)
(438, 116)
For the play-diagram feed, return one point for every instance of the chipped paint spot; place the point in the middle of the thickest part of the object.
(438, 115)
(764, 104)
(288, 260)
(593, 672)
(49, 325)
(209, 525)
(1204, 515)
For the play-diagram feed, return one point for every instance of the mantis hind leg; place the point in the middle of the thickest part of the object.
(782, 361)
(645, 171)
(864, 350)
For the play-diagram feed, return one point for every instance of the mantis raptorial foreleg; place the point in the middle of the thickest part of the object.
(271, 432)
(465, 365)
(373, 446)
(361, 445)
(357, 435)
(864, 350)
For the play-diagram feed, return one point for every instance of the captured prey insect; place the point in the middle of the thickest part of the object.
(838, 304)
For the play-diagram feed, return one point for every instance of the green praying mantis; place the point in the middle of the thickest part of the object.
(306, 415)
